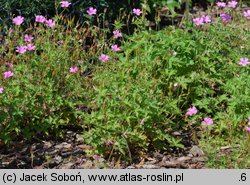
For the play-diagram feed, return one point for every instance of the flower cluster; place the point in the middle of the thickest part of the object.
(221, 4)
(199, 21)
(24, 49)
(41, 19)
(209, 121)
(231, 4)
(28, 47)
(193, 110)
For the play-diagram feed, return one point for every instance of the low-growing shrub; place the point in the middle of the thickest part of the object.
(43, 71)
(146, 93)
(129, 93)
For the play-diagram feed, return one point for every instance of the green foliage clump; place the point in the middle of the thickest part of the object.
(43, 95)
(139, 97)
(142, 97)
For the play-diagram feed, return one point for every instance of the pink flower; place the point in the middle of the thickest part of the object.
(8, 74)
(1, 90)
(247, 129)
(248, 120)
(206, 18)
(91, 11)
(50, 23)
(28, 38)
(65, 4)
(137, 11)
(30, 47)
(208, 121)
(225, 17)
(117, 33)
(198, 21)
(247, 14)
(18, 20)
(142, 122)
(232, 4)
(191, 111)
(115, 48)
(244, 62)
(73, 69)
(221, 4)
(21, 49)
(104, 58)
(40, 19)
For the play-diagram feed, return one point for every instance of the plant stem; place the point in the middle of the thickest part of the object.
(187, 10)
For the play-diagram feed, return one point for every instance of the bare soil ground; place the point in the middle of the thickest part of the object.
(70, 153)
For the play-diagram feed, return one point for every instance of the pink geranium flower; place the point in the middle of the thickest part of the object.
(221, 4)
(40, 19)
(30, 47)
(208, 121)
(104, 58)
(73, 69)
(8, 74)
(206, 18)
(142, 122)
(91, 11)
(247, 129)
(1, 90)
(21, 49)
(137, 11)
(28, 38)
(117, 33)
(115, 48)
(225, 17)
(192, 111)
(198, 21)
(65, 4)
(232, 4)
(244, 62)
(50, 23)
(247, 14)
(18, 20)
